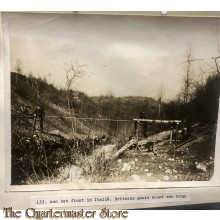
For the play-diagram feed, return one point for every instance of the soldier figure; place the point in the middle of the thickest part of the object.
(39, 114)
(24, 110)
(143, 124)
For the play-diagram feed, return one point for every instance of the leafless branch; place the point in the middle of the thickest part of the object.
(73, 71)
(217, 38)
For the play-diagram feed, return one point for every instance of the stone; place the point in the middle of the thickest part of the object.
(136, 178)
(126, 167)
(149, 174)
(166, 178)
(168, 171)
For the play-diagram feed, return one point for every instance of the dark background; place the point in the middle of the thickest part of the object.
(207, 206)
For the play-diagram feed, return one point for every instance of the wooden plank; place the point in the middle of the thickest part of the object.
(185, 142)
(158, 121)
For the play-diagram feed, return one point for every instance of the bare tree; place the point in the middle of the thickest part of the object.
(188, 77)
(189, 84)
(110, 93)
(18, 68)
(160, 96)
(200, 82)
(49, 75)
(73, 71)
(216, 67)
(216, 58)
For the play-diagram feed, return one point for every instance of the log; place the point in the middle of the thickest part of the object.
(185, 142)
(124, 148)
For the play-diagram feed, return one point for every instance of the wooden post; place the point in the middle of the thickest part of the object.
(171, 136)
(175, 142)
(137, 135)
(175, 134)
(75, 124)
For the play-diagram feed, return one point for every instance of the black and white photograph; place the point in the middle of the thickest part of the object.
(113, 98)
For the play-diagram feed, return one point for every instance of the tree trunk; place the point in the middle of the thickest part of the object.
(124, 148)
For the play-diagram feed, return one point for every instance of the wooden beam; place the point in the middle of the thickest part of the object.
(124, 148)
(158, 121)
(186, 142)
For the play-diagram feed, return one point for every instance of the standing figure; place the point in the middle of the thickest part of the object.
(24, 110)
(39, 114)
(143, 124)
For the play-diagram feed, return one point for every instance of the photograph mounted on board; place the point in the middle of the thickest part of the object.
(113, 98)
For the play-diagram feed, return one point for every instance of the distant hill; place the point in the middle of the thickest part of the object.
(31, 91)
(126, 107)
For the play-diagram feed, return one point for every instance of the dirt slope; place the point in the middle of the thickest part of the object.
(193, 162)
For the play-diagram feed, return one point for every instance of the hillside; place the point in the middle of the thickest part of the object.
(39, 156)
(30, 91)
(126, 107)
(79, 140)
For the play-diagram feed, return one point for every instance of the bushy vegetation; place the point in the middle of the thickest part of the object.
(38, 156)
(203, 105)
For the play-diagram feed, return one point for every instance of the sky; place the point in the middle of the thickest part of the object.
(124, 55)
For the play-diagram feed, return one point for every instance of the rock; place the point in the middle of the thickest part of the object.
(171, 159)
(57, 132)
(119, 160)
(132, 162)
(147, 163)
(160, 167)
(106, 150)
(149, 174)
(175, 171)
(142, 142)
(126, 167)
(146, 170)
(71, 174)
(201, 166)
(136, 159)
(168, 171)
(136, 177)
(166, 178)
(161, 143)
